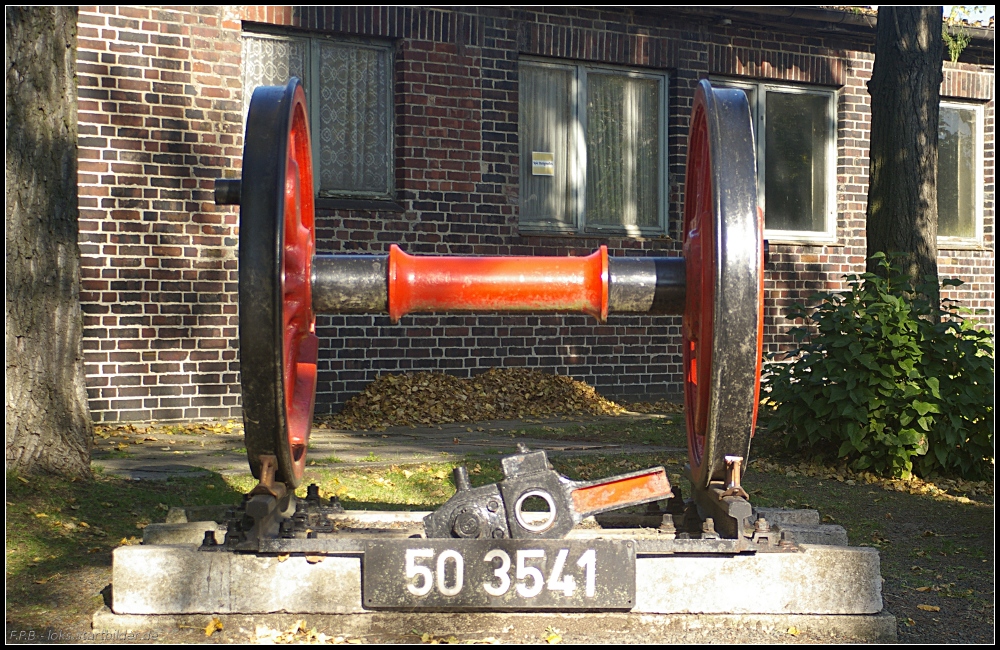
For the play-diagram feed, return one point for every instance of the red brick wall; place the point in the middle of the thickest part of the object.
(160, 118)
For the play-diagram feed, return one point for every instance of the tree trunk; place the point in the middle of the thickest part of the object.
(48, 426)
(905, 87)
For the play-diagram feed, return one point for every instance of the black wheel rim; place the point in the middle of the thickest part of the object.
(278, 345)
(723, 249)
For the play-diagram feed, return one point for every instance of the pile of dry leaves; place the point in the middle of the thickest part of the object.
(426, 398)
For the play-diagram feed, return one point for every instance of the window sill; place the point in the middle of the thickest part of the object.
(381, 205)
(968, 245)
(602, 234)
(787, 241)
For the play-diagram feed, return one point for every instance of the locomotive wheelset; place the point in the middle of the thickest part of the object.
(283, 283)
(487, 550)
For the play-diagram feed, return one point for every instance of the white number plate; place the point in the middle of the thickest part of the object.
(499, 574)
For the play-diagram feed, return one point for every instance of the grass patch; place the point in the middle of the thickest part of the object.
(660, 431)
(60, 535)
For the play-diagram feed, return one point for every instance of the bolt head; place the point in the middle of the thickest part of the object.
(466, 524)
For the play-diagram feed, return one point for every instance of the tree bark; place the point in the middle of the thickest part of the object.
(48, 426)
(902, 189)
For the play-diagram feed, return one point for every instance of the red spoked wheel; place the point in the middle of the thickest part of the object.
(723, 252)
(278, 344)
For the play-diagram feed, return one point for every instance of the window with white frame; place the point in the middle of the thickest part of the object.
(348, 87)
(592, 148)
(960, 165)
(796, 133)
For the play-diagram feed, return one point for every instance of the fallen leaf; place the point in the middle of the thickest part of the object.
(923, 588)
(929, 608)
(213, 627)
(500, 393)
(282, 558)
(314, 559)
(794, 631)
(41, 515)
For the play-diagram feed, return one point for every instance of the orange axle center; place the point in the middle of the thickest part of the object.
(475, 284)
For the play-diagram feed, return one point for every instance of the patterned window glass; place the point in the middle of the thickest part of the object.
(272, 61)
(354, 125)
(349, 93)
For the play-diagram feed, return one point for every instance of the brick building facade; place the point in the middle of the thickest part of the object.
(161, 101)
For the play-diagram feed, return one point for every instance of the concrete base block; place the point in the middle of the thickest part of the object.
(183, 580)
(802, 526)
(816, 580)
(197, 513)
(608, 628)
(185, 533)
(782, 516)
(828, 534)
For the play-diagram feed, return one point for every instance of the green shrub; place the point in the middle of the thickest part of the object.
(887, 380)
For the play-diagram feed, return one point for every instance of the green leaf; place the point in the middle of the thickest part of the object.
(923, 408)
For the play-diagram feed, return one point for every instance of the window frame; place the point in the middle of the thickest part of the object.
(975, 242)
(578, 154)
(758, 108)
(314, 99)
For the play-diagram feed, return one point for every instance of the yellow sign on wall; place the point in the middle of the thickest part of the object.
(543, 163)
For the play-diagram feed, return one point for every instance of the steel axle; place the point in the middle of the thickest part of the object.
(400, 284)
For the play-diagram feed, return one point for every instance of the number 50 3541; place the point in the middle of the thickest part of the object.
(446, 572)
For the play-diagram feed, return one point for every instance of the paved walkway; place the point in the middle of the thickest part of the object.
(158, 455)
